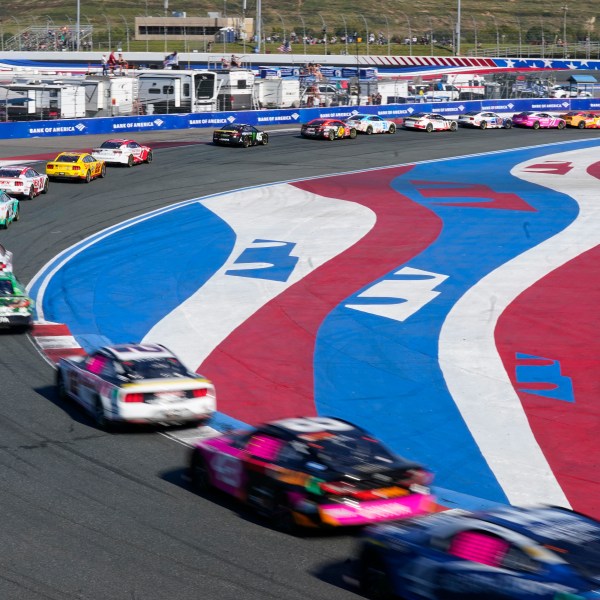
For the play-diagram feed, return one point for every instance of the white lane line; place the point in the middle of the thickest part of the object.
(469, 359)
(319, 228)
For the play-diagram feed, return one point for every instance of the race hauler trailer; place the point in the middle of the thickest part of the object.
(45, 101)
(277, 93)
(110, 96)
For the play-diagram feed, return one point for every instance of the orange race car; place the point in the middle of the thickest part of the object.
(75, 165)
(328, 129)
(582, 119)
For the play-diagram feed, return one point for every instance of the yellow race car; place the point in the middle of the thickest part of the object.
(582, 119)
(75, 165)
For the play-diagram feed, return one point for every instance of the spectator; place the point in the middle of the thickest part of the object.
(122, 64)
(112, 61)
(171, 61)
(235, 61)
(104, 61)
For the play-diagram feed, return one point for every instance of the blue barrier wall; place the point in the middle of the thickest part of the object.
(127, 126)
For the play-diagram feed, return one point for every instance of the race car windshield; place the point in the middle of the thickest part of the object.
(345, 451)
(6, 288)
(231, 128)
(67, 158)
(111, 145)
(154, 368)
(10, 172)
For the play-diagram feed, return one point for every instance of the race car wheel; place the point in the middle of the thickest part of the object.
(429, 128)
(483, 125)
(453, 126)
(265, 139)
(581, 125)
(245, 142)
(17, 214)
(61, 388)
(99, 415)
(149, 157)
(369, 130)
(331, 135)
(507, 124)
(352, 134)
(46, 186)
(392, 128)
(88, 176)
(374, 580)
(31, 194)
(536, 125)
(130, 161)
(103, 171)
(561, 125)
(275, 508)
(199, 474)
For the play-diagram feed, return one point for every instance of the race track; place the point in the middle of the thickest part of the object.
(92, 515)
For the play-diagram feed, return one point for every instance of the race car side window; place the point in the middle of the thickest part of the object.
(479, 547)
(264, 447)
(516, 560)
(96, 363)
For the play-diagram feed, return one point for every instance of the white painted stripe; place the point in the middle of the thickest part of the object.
(56, 342)
(469, 359)
(321, 228)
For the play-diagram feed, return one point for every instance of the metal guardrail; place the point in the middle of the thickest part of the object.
(51, 38)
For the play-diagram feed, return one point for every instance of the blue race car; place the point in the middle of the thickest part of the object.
(505, 553)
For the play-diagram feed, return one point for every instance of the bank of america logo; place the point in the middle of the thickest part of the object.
(80, 126)
(231, 118)
(158, 122)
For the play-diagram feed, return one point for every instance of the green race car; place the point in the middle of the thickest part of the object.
(238, 134)
(9, 210)
(16, 307)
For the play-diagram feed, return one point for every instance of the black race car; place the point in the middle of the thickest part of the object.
(238, 134)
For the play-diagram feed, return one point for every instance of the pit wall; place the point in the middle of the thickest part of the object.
(129, 126)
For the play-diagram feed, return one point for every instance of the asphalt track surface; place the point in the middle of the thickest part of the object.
(93, 515)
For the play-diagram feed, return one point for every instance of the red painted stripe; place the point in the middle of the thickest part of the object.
(43, 329)
(557, 319)
(56, 355)
(282, 334)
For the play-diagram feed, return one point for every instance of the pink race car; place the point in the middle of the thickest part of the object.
(535, 120)
(312, 472)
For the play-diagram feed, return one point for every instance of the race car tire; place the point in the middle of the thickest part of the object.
(61, 388)
(99, 415)
(331, 135)
(46, 186)
(429, 128)
(374, 579)
(265, 139)
(31, 194)
(561, 125)
(130, 161)
(483, 125)
(369, 130)
(149, 157)
(352, 134)
(536, 125)
(199, 476)
(274, 508)
(507, 124)
(392, 128)
(581, 124)
(88, 176)
(245, 142)
(17, 214)
(453, 126)
(103, 171)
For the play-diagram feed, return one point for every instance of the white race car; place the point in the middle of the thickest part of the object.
(21, 180)
(371, 124)
(484, 120)
(122, 152)
(6, 261)
(430, 122)
(138, 383)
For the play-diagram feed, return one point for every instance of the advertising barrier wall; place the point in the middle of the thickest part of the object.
(128, 126)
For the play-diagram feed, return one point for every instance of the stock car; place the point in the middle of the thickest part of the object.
(22, 180)
(328, 129)
(537, 120)
(505, 553)
(371, 124)
(122, 152)
(137, 383)
(430, 122)
(16, 307)
(312, 472)
(9, 209)
(582, 119)
(484, 120)
(75, 165)
(238, 134)
(5, 260)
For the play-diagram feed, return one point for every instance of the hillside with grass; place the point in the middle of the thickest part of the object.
(427, 25)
